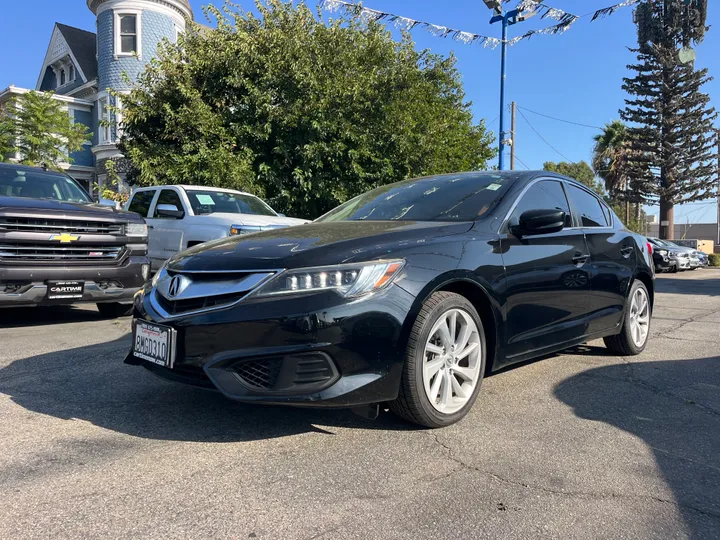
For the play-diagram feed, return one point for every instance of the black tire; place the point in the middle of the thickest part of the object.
(114, 310)
(623, 343)
(675, 269)
(412, 403)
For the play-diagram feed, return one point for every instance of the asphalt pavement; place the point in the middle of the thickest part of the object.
(579, 445)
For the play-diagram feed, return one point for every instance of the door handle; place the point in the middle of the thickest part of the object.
(580, 259)
(627, 251)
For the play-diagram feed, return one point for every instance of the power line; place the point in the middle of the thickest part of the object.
(545, 140)
(521, 162)
(560, 119)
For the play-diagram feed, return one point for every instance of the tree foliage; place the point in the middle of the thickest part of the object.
(300, 112)
(610, 156)
(671, 135)
(38, 130)
(580, 171)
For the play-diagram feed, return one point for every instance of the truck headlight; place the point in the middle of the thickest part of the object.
(136, 229)
(245, 229)
(346, 279)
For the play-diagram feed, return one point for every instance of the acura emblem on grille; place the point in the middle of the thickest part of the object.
(177, 285)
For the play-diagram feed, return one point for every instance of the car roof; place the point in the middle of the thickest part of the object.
(187, 187)
(27, 168)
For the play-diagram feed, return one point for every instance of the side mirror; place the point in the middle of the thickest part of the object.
(169, 211)
(106, 202)
(282, 215)
(540, 222)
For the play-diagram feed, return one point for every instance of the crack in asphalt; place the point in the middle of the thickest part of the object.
(683, 323)
(550, 491)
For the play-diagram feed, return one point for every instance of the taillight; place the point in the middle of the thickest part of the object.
(649, 245)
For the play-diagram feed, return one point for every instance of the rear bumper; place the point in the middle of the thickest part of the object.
(102, 283)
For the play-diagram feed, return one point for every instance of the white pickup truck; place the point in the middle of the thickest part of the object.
(180, 217)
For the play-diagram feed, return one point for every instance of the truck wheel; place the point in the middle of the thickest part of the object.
(113, 310)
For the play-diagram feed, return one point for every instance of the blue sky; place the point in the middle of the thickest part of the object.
(575, 76)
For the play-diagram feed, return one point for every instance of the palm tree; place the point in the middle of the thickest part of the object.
(610, 157)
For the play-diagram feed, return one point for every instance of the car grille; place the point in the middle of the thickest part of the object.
(36, 225)
(43, 252)
(179, 307)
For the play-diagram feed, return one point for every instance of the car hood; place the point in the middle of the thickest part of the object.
(250, 220)
(314, 244)
(24, 207)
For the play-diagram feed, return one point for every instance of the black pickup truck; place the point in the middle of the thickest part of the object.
(58, 247)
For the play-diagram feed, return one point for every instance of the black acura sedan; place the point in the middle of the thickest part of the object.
(408, 295)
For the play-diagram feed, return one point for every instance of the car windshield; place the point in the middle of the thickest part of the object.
(211, 202)
(16, 182)
(461, 197)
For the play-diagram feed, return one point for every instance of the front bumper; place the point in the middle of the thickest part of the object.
(102, 283)
(317, 350)
(664, 263)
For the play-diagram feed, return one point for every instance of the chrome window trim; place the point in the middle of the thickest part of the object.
(504, 227)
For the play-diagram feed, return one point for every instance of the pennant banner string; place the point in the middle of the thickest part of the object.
(565, 20)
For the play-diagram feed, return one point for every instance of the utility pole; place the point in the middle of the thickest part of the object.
(718, 194)
(507, 18)
(513, 136)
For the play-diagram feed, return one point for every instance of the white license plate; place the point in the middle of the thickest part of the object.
(154, 343)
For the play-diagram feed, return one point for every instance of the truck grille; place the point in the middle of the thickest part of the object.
(38, 225)
(43, 252)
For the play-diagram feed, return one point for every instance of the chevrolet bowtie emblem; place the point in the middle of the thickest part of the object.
(64, 238)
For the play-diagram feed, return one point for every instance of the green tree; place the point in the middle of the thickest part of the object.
(671, 134)
(610, 161)
(42, 130)
(300, 112)
(7, 135)
(580, 171)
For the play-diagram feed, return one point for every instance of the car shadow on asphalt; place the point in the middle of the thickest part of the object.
(674, 408)
(46, 316)
(93, 384)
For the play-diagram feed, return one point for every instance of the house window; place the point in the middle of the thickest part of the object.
(104, 120)
(62, 77)
(127, 34)
(71, 70)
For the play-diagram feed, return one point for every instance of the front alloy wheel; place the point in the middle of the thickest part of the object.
(445, 362)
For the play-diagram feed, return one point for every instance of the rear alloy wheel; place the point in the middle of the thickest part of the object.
(114, 310)
(636, 326)
(445, 363)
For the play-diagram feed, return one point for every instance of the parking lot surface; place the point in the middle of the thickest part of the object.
(578, 445)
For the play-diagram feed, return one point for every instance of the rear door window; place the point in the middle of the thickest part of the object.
(588, 208)
(140, 203)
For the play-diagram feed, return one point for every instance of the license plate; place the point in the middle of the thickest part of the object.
(154, 343)
(65, 290)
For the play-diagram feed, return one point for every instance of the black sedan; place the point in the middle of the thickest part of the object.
(407, 295)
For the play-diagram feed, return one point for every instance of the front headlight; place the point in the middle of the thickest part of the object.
(346, 279)
(136, 229)
(662, 252)
(158, 274)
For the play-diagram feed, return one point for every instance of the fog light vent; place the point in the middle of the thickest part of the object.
(261, 374)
